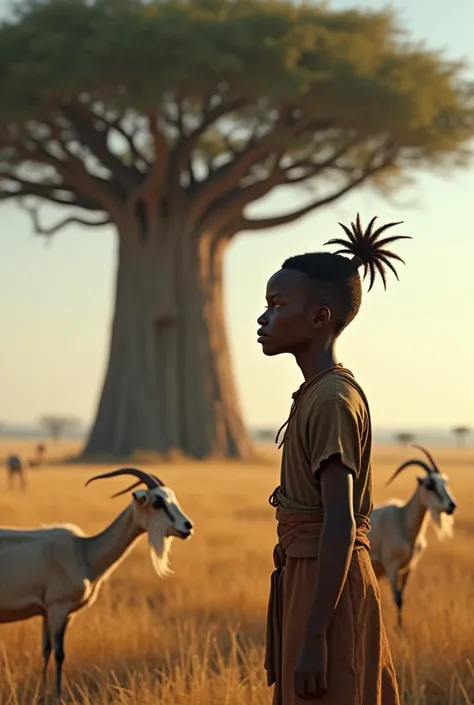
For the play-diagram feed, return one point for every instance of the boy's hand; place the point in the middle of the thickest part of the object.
(310, 678)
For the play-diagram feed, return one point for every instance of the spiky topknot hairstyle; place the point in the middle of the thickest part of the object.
(337, 277)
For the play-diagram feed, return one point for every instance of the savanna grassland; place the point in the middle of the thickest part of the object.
(196, 638)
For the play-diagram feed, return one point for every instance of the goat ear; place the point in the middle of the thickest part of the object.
(140, 497)
(420, 480)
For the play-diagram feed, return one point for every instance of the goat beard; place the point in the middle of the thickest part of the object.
(442, 524)
(160, 545)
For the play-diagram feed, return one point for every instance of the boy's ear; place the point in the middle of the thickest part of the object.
(321, 315)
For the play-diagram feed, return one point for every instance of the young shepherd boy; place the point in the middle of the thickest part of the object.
(325, 636)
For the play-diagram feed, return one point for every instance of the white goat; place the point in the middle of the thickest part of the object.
(16, 469)
(56, 571)
(398, 530)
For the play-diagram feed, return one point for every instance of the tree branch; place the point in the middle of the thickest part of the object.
(244, 223)
(210, 116)
(229, 175)
(129, 137)
(72, 171)
(48, 192)
(232, 203)
(33, 212)
(192, 174)
(82, 120)
(158, 172)
(153, 183)
(313, 167)
(182, 153)
(222, 181)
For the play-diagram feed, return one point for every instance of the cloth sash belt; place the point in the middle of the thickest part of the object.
(298, 537)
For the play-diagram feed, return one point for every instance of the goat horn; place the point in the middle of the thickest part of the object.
(429, 456)
(136, 484)
(144, 477)
(419, 463)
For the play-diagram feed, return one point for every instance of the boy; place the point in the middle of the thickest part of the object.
(325, 635)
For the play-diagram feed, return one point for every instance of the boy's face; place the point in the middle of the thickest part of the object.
(290, 323)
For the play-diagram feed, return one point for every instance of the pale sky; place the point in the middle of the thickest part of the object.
(411, 347)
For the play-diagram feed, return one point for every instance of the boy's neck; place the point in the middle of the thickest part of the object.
(313, 362)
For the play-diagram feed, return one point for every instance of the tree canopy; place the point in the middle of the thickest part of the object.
(106, 101)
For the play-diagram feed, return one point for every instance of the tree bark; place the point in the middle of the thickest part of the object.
(169, 382)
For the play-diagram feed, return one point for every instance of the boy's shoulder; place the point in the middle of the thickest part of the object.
(337, 386)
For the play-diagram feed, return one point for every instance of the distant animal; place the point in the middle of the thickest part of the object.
(398, 530)
(55, 571)
(38, 460)
(16, 471)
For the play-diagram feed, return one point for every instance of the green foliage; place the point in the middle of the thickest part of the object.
(323, 61)
(332, 93)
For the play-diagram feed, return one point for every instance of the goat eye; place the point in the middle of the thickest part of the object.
(159, 503)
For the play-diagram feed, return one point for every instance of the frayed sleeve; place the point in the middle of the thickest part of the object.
(333, 428)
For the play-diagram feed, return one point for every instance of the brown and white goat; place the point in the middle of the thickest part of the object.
(398, 529)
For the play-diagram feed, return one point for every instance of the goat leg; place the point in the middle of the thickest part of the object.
(393, 577)
(399, 600)
(58, 619)
(46, 656)
(399, 603)
(398, 594)
(59, 658)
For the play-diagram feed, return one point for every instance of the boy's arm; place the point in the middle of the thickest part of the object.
(335, 546)
(333, 432)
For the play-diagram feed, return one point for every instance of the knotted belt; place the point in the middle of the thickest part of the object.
(298, 536)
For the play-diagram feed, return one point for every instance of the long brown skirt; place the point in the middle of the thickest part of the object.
(360, 668)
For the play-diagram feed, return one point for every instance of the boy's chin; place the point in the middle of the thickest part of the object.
(270, 352)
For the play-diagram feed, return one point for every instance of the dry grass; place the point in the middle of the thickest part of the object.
(197, 637)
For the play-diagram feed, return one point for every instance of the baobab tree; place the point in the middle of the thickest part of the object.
(167, 120)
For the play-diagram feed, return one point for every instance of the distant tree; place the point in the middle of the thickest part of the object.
(461, 433)
(58, 426)
(167, 120)
(405, 437)
(265, 434)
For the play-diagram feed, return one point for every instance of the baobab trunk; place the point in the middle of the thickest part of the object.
(169, 382)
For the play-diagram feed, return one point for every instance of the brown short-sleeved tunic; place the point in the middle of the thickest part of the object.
(330, 416)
